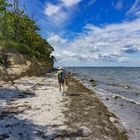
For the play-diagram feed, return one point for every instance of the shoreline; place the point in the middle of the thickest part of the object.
(125, 109)
(87, 109)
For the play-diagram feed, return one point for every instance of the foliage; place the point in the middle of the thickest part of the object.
(19, 32)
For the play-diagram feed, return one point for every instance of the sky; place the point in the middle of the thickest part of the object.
(89, 32)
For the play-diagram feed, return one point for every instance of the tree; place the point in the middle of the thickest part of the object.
(21, 32)
(3, 12)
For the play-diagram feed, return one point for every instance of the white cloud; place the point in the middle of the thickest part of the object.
(55, 14)
(111, 44)
(135, 9)
(69, 3)
(56, 40)
(58, 14)
(52, 9)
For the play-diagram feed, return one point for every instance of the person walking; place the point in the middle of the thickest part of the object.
(61, 79)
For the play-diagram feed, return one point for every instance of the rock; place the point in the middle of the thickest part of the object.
(4, 136)
(126, 86)
(94, 84)
(84, 131)
(121, 104)
(113, 120)
(91, 80)
(115, 97)
(55, 132)
(62, 129)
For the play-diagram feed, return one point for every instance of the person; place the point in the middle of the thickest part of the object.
(61, 79)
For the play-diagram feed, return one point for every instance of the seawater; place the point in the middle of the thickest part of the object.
(113, 79)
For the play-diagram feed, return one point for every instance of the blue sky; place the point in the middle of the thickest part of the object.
(90, 32)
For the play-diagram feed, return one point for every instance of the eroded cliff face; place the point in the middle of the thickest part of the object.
(23, 66)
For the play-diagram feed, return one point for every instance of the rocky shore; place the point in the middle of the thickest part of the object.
(34, 109)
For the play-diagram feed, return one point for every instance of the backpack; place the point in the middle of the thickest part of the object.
(61, 75)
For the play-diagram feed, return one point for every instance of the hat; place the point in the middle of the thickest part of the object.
(60, 68)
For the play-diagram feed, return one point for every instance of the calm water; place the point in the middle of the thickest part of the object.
(111, 79)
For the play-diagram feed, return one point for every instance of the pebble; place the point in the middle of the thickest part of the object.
(107, 98)
(113, 120)
(115, 97)
(84, 131)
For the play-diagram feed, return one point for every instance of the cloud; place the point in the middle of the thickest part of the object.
(57, 40)
(135, 9)
(58, 14)
(110, 44)
(130, 49)
(118, 5)
(69, 3)
(52, 9)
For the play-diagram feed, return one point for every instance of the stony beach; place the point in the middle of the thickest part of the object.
(33, 109)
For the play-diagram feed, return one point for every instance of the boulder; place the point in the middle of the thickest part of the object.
(84, 131)
(113, 120)
(91, 80)
(115, 97)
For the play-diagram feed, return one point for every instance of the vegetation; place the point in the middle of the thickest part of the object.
(19, 33)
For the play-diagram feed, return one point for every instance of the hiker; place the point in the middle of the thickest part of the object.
(61, 78)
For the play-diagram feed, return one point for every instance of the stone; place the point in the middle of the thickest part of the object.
(115, 97)
(84, 131)
(55, 132)
(62, 129)
(126, 86)
(4, 136)
(91, 80)
(113, 120)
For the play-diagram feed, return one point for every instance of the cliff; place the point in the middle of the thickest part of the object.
(21, 65)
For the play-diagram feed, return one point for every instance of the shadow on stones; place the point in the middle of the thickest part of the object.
(14, 127)
(72, 94)
(11, 94)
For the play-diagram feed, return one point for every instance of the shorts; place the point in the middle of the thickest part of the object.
(61, 81)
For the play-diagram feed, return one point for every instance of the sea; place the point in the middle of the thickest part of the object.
(113, 79)
(123, 82)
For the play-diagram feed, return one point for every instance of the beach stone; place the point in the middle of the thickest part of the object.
(107, 98)
(113, 120)
(4, 136)
(84, 131)
(126, 86)
(91, 80)
(115, 97)
(62, 129)
(59, 131)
